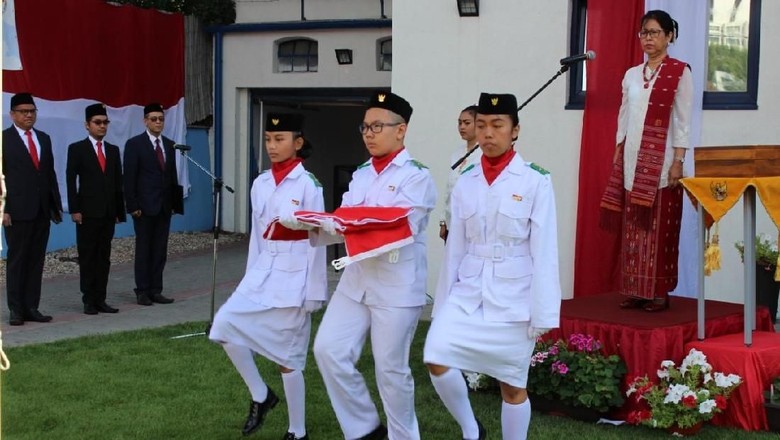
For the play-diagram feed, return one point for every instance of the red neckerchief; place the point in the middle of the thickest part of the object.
(492, 166)
(380, 163)
(280, 170)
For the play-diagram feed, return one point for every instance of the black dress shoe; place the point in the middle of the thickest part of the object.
(89, 309)
(291, 436)
(257, 413)
(143, 300)
(16, 319)
(379, 433)
(35, 315)
(159, 299)
(105, 308)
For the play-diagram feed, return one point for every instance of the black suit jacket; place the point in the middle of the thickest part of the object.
(30, 191)
(98, 194)
(147, 187)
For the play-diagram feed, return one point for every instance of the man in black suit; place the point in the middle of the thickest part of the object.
(96, 205)
(33, 199)
(152, 193)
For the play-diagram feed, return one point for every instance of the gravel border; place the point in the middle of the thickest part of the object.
(65, 261)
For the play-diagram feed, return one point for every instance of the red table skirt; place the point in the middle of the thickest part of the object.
(757, 365)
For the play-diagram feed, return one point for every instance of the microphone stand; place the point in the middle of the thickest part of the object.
(218, 184)
(564, 68)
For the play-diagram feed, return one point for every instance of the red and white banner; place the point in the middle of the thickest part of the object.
(77, 52)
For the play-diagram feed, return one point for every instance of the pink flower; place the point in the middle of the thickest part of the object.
(560, 368)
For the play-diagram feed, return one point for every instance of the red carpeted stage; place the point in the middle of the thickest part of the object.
(644, 339)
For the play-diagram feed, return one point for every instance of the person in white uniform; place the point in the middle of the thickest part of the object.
(499, 287)
(285, 281)
(467, 131)
(383, 295)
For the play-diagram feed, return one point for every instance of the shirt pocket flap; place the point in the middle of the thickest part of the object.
(514, 209)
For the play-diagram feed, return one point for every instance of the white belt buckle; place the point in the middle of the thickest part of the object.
(393, 256)
(271, 247)
(498, 252)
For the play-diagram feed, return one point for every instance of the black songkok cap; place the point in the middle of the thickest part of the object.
(392, 102)
(496, 104)
(284, 122)
(21, 98)
(153, 107)
(95, 110)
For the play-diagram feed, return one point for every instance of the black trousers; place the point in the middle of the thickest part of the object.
(151, 251)
(26, 253)
(93, 241)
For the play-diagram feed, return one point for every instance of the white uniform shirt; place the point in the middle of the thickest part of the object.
(502, 250)
(453, 176)
(631, 121)
(376, 281)
(284, 273)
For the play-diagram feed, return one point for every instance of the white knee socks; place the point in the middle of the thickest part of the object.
(244, 362)
(452, 390)
(515, 420)
(295, 392)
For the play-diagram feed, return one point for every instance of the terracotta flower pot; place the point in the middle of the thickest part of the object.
(685, 432)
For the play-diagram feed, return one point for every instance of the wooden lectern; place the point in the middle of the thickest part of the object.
(722, 169)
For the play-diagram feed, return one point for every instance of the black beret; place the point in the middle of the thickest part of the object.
(284, 122)
(496, 104)
(95, 110)
(392, 102)
(153, 107)
(21, 98)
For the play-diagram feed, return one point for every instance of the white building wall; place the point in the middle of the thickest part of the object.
(249, 63)
(442, 62)
(255, 11)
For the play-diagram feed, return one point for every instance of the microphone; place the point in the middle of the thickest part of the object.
(182, 147)
(574, 59)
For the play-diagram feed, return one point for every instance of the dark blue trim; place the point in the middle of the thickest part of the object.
(218, 104)
(302, 25)
(576, 96)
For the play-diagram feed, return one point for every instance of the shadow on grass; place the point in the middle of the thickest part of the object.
(145, 385)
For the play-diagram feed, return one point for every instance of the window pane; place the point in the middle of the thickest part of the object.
(301, 47)
(727, 68)
(285, 64)
(300, 65)
(387, 47)
(313, 59)
(286, 48)
(387, 62)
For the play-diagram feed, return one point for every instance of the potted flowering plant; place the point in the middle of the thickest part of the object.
(683, 398)
(767, 287)
(772, 405)
(576, 373)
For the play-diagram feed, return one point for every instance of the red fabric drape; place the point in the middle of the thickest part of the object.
(73, 49)
(611, 31)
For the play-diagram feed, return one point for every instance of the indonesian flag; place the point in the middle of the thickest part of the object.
(74, 53)
(368, 230)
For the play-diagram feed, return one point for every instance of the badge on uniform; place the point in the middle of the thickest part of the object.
(392, 256)
(295, 202)
(391, 188)
(517, 198)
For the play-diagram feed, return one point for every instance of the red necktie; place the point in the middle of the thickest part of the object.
(160, 157)
(101, 157)
(33, 150)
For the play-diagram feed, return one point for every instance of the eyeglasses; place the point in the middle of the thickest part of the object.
(652, 33)
(376, 127)
(100, 121)
(27, 111)
(156, 118)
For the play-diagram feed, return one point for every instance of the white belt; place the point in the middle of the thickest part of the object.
(497, 251)
(274, 247)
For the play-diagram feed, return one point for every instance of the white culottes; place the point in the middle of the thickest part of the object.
(501, 350)
(279, 334)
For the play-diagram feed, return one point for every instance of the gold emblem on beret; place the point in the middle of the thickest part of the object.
(494, 101)
(381, 97)
(719, 190)
(104, 106)
(275, 121)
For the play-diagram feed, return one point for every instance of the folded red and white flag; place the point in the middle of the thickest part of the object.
(368, 230)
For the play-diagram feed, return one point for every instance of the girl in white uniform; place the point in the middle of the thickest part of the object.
(285, 280)
(498, 288)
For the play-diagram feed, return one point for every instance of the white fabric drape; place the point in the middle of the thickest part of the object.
(692, 18)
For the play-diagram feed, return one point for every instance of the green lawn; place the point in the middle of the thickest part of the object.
(144, 385)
